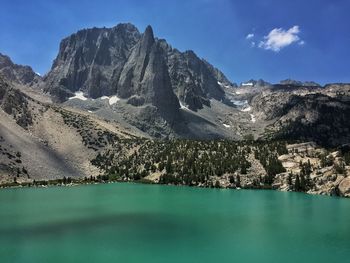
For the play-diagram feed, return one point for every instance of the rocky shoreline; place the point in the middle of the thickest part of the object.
(78, 182)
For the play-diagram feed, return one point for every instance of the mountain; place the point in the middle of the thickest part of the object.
(108, 61)
(150, 78)
(17, 73)
(116, 91)
(123, 75)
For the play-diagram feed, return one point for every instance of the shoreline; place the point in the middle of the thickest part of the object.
(82, 182)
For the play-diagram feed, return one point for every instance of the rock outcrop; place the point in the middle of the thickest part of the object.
(306, 113)
(17, 73)
(91, 60)
(145, 79)
(15, 103)
(344, 187)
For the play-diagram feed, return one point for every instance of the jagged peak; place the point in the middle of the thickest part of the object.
(129, 26)
(5, 59)
(121, 26)
(147, 38)
(148, 35)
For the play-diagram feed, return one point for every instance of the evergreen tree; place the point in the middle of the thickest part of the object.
(238, 181)
(289, 179)
(297, 186)
(302, 182)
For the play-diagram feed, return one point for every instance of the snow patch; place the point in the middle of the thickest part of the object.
(247, 84)
(223, 85)
(239, 103)
(182, 106)
(113, 100)
(248, 108)
(78, 95)
(104, 98)
(253, 119)
(89, 111)
(226, 125)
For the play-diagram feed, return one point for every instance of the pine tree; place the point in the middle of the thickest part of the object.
(297, 184)
(302, 182)
(289, 179)
(238, 181)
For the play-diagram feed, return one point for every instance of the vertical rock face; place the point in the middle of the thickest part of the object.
(194, 80)
(145, 76)
(17, 73)
(120, 60)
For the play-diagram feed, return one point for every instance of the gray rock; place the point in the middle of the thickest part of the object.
(17, 73)
(344, 187)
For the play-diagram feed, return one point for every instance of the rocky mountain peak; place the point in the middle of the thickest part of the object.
(144, 72)
(103, 61)
(148, 36)
(17, 73)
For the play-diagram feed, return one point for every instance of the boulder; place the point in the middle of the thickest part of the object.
(344, 187)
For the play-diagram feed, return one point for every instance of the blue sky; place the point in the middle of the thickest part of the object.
(299, 39)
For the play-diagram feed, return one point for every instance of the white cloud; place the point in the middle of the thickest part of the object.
(279, 38)
(249, 36)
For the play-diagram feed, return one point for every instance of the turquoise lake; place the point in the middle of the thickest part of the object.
(151, 223)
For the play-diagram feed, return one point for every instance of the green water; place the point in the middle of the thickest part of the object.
(150, 223)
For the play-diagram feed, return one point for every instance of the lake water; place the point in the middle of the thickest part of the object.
(152, 223)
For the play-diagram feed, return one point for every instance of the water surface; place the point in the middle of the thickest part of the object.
(152, 223)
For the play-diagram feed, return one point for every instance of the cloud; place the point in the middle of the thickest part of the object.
(249, 36)
(279, 38)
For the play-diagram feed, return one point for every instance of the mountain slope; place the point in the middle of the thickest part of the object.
(41, 141)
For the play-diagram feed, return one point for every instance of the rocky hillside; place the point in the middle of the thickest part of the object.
(44, 143)
(306, 113)
(39, 141)
(303, 167)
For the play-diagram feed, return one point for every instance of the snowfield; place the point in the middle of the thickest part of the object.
(248, 108)
(113, 100)
(78, 95)
(183, 106)
(253, 119)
